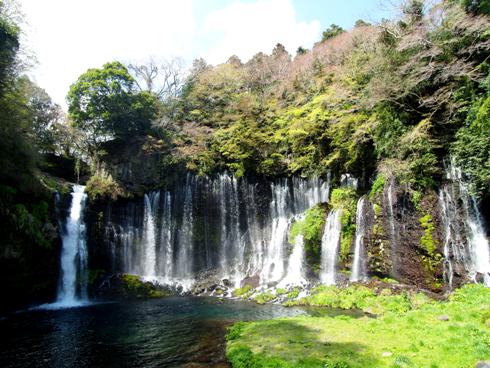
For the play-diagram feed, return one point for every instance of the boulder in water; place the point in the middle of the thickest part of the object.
(253, 281)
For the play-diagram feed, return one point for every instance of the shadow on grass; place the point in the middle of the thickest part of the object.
(286, 343)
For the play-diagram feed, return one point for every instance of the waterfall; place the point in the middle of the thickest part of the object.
(465, 243)
(232, 247)
(166, 241)
(393, 230)
(273, 268)
(295, 274)
(220, 228)
(330, 247)
(184, 265)
(358, 266)
(347, 180)
(74, 255)
(149, 261)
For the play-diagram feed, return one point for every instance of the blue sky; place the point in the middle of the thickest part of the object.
(342, 12)
(70, 36)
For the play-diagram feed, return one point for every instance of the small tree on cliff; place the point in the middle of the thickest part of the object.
(105, 104)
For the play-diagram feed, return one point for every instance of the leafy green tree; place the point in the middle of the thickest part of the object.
(361, 23)
(45, 116)
(105, 104)
(331, 32)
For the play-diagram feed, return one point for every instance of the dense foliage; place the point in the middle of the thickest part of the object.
(393, 99)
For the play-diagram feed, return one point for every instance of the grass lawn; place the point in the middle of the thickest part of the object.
(448, 334)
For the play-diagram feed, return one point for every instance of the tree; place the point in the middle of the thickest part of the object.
(361, 23)
(331, 32)
(165, 80)
(301, 50)
(105, 104)
(45, 116)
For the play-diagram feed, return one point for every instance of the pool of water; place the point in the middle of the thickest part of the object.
(170, 332)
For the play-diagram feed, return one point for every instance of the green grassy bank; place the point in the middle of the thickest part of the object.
(453, 333)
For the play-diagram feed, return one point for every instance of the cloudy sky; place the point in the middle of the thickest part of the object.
(69, 36)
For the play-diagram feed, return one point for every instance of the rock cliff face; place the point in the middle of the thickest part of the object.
(404, 240)
(138, 166)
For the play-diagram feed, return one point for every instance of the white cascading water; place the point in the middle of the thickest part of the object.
(358, 266)
(330, 247)
(167, 262)
(393, 226)
(231, 251)
(273, 268)
(465, 241)
(184, 264)
(149, 268)
(74, 257)
(295, 273)
(217, 226)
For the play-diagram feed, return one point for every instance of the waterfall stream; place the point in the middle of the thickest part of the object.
(330, 247)
(295, 274)
(149, 234)
(393, 225)
(465, 243)
(72, 290)
(358, 265)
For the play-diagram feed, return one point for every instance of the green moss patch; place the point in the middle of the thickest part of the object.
(310, 227)
(132, 287)
(345, 199)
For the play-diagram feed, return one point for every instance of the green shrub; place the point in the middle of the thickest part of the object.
(265, 297)
(281, 291)
(102, 185)
(293, 294)
(243, 291)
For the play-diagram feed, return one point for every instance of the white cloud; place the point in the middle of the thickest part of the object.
(70, 36)
(245, 28)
